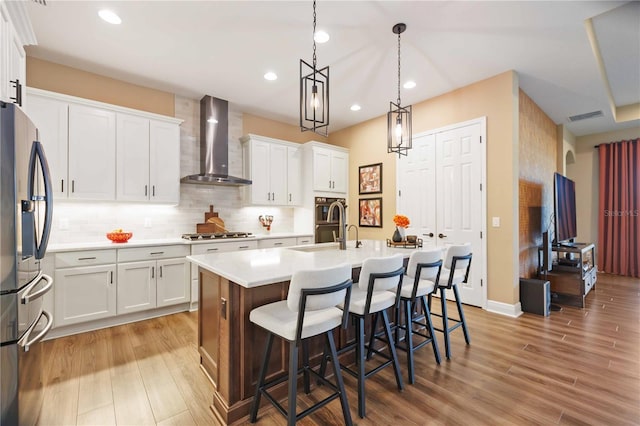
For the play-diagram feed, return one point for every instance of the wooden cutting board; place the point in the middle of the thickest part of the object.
(208, 215)
(212, 225)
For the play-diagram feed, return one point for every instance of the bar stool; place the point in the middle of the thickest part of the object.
(377, 276)
(456, 268)
(310, 310)
(423, 271)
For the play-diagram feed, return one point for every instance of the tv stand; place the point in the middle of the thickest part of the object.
(573, 272)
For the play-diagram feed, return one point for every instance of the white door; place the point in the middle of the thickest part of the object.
(133, 157)
(92, 153)
(294, 176)
(84, 294)
(260, 188)
(459, 200)
(278, 174)
(164, 162)
(136, 286)
(339, 171)
(440, 190)
(417, 194)
(172, 282)
(321, 169)
(50, 116)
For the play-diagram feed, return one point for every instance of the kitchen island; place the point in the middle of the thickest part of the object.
(230, 286)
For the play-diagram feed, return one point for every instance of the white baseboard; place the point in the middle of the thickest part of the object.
(501, 308)
(113, 321)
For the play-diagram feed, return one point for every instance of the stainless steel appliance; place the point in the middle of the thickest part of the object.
(327, 229)
(25, 224)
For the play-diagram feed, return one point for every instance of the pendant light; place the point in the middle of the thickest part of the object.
(314, 93)
(399, 117)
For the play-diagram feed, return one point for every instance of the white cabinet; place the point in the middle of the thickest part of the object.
(164, 161)
(51, 117)
(330, 169)
(85, 286)
(277, 242)
(98, 151)
(12, 57)
(150, 277)
(275, 167)
(304, 240)
(92, 153)
(148, 160)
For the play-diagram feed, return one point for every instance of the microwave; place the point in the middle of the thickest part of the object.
(322, 210)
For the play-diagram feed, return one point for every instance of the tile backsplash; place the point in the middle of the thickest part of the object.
(76, 221)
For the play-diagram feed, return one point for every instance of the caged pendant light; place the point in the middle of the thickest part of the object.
(314, 93)
(399, 117)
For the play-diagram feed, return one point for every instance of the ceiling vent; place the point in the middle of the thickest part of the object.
(585, 116)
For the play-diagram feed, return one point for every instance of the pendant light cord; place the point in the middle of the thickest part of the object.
(398, 69)
(314, 35)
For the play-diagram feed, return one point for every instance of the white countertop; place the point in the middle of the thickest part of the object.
(252, 268)
(133, 242)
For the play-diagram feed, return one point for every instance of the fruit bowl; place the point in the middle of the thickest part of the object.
(119, 237)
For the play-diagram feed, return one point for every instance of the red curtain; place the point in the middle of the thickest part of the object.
(618, 218)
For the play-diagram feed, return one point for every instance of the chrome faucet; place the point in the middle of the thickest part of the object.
(342, 236)
(358, 242)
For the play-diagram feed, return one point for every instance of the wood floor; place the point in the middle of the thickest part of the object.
(577, 366)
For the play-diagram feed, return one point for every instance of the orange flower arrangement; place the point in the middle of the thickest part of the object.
(401, 221)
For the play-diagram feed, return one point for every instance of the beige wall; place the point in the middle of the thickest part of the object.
(274, 129)
(71, 81)
(537, 160)
(586, 175)
(497, 99)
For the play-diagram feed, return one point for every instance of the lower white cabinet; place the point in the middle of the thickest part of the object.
(84, 293)
(277, 242)
(156, 277)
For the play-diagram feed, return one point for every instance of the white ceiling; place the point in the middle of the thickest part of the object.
(223, 48)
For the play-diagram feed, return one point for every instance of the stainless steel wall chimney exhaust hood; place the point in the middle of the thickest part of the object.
(214, 145)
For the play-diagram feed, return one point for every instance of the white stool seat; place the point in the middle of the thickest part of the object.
(424, 287)
(379, 300)
(279, 319)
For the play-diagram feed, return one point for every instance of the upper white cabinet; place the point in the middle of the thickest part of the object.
(99, 151)
(274, 166)
(15, 32)
(330, 168)
(148, 159)
(92, 153)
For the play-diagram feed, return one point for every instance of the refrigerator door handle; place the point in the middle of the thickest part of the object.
(25, 343)
(29, 297)
(37, 154)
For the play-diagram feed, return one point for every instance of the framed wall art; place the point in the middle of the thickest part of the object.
(370, 179)
(370, 212)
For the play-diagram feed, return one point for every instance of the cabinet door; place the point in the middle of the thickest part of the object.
(132, 147)
(164, 166)
(339, 171)
(92, 153)
(17, 66)
(260, 188)
(173, 284)
(294, 176)
(84, 294)
(321, 169)
(50, 116)
(136, 286)
(278, 174)
(5, 30)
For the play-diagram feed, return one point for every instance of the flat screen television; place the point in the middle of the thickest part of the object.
(564, 208)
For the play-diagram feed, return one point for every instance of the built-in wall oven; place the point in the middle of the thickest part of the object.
(326, 228)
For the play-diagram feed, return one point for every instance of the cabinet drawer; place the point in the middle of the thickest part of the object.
(277, 242)
(84, 258)
(156, 252)
(304, 240)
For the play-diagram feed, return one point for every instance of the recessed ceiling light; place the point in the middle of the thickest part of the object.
(270, 76)
(110, 16)
(409, 84)
(321, 36)
(355, 107)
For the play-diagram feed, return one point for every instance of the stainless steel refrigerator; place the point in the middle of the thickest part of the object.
(25, 224)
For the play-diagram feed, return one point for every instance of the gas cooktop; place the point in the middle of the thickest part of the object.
(217, 235)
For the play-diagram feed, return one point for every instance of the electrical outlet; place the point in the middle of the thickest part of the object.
(495, 222)
(147, 222)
